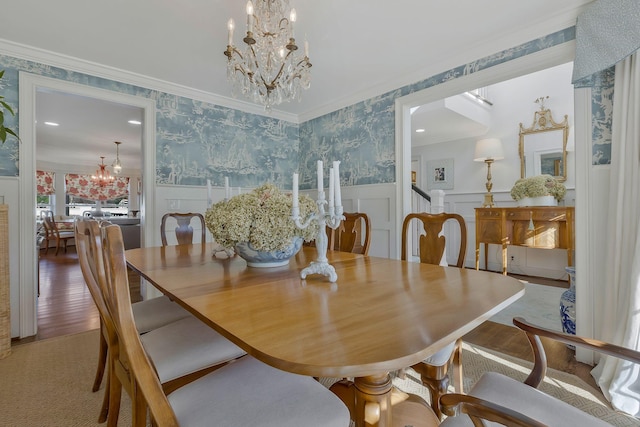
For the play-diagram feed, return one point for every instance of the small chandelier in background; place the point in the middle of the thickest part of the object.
(117, 166)
(102, 176)
(268, 71)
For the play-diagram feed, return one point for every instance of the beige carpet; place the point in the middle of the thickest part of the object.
(48, 383)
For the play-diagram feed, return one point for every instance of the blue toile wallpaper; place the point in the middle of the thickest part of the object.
(601, 116)
(197, 141)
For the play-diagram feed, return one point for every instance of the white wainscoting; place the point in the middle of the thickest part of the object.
(377, 201)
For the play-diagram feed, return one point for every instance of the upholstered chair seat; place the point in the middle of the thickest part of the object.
(154, 313)
(505, 401)
(529, 401)
(248, 392)
(186, 346)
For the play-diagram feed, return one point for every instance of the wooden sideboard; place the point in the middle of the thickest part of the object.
(543, 227)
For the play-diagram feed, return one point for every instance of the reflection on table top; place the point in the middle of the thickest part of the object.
(381, 314)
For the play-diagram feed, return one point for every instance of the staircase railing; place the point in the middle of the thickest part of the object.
(421, 192)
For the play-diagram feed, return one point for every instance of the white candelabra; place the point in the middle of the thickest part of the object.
(331, 218)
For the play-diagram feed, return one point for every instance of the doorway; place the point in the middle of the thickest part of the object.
(518, 67)
(29, 86)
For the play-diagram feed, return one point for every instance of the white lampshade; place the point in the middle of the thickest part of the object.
(488, 149)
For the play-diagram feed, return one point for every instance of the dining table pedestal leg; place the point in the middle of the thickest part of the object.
(373, 401)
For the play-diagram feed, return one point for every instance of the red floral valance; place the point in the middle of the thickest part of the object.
(44, 183)
(85, 187)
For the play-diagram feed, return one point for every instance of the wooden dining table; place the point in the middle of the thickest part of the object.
(381, 315)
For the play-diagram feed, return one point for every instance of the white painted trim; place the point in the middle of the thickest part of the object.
(540, 60)
(28, 86)
(53, 59)
(585, 264)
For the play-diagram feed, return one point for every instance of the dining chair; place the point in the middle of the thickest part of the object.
(184, 230)
(52, 233)
(352, 235)
(150, 314)
(182, 350)
(522, 400)
(242, 393)
(431, 245)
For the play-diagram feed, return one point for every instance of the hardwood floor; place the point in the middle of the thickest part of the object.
(65, 307)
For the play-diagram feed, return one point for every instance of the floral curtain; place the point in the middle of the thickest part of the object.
(85, 187)
(44, 183)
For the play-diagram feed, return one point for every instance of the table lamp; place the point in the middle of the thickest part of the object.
(488, 150)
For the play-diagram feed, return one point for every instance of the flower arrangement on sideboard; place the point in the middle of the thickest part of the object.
(540, 186)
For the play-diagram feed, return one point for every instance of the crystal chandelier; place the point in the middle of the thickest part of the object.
(102, 176)
(117, 166)
(268, 71)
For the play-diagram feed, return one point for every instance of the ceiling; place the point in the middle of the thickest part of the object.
(358, 48)
(87, 129)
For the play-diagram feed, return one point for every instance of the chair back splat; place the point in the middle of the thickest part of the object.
(184, 230)
(431, 245)
(352, 235)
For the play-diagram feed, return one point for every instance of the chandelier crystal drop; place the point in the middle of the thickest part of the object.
(269, 70)
(102, 176)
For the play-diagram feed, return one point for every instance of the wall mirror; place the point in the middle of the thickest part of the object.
(543, 146)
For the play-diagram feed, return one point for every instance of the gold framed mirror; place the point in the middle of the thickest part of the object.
(543, 145)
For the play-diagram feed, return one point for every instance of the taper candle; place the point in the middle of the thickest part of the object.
(230, 26)
(227, 190)
(331, 190)
(320, 177)
(338, 192)
(295, 190)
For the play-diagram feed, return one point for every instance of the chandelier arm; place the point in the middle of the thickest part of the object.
(275, 79)
(232, 50)
(284, 19)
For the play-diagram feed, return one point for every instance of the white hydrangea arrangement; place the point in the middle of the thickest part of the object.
(262, 218)
(537, 186)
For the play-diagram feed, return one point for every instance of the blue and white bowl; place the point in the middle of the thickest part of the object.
(262, 259)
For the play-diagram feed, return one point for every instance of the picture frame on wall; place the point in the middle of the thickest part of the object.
(440, 174)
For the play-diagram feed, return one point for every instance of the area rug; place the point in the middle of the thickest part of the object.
(540, 305)
(48, 383)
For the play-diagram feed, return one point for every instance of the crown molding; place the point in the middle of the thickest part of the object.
(54, 59)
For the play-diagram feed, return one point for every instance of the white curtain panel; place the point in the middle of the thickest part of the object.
(620, 296)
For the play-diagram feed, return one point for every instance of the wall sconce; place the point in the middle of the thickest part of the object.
(488, 151)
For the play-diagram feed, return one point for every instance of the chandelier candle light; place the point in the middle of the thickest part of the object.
(332, 219)
(268, 71)
(102, 176)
